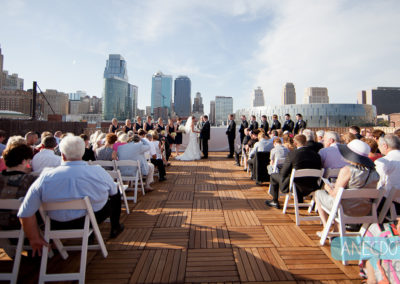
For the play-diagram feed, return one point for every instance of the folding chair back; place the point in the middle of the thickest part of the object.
(336, 214)
(108, 165)
(388, 205)
(331, 173)
(316, 173)
(116, 176)
(12, 204)
(90, 219)
(135, 177)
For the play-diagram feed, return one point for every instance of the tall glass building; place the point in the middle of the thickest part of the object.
(119, 95)
(223, 107)
(161, 91)
(182, 96)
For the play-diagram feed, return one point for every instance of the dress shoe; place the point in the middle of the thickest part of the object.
(229, 157)
(204, 157)
(272, 203)
(115, 232)
(237, 164)
(162, 179)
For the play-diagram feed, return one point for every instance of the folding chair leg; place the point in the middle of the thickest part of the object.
(286, 203)
(296, 209)
(124, 197)
(141, 183)
(326, 229)
(135, 193)
(342, 231)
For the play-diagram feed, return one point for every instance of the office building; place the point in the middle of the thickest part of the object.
(148, 110)
(182, 96)
(9, 81)
(223, 107)
(134, 96)
(20, 101)
(289, 94)
(198, 106)
(319, 115)
(161, 92)
(56, 103)
(386, 99)
(118, 93)
(316, 95)
(258, 98)
(212, 113)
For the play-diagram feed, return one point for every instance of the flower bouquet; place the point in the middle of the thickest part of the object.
(182, 129)
(173, 134)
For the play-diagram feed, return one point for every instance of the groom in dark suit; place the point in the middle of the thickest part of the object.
(231, 133)
(205, 136)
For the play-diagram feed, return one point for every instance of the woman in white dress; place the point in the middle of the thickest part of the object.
(192, 151)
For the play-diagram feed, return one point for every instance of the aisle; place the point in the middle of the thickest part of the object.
(208, 223)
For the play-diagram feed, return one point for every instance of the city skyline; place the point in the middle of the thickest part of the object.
(333, 44)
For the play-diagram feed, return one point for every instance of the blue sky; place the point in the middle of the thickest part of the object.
(227, 48)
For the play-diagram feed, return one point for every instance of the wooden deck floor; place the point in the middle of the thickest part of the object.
(207, 223)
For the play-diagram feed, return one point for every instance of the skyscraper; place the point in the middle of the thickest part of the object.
(386, 99)
(161, 92)
(198, 106)
(182, 96)
(316, 95)
(258, 97)
(134, 96)
(1, 69)
(223, 107)
(212, 112)
(289, 94)
(117, 97)
(7, 81)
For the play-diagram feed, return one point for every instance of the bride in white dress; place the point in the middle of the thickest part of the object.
(192, 151)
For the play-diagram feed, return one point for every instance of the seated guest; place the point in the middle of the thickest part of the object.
(354, 129)
(315, 146)
(105, 153)
(74, 179)
(278, 152)
(39, 147)
(397, 132)
(300, 158)
(373, 155)
(253, 139)
(348, 137)
(135, 151)
(262, 145)
(46, 157)
(320, 136)
(377, 133)
(122, 140)
(330, 155)
(31, 138)
(245, 141)
(288, 143)
(15, 180)
(359, 173)
(156, 159)
(58, 135)
(2, 138)
(89, 153)
(388, 167)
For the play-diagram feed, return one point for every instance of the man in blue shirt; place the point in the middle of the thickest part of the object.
(74, 179)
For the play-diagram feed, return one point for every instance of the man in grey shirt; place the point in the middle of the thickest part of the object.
(330, 155)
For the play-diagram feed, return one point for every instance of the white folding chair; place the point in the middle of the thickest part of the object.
(12, 204)
(275, 169)
(90, 219)
(330, 174)
(136, 177)
(293, 191)
(336, 214)
(111, 169)
(388, 205)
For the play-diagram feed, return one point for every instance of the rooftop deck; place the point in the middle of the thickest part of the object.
(206, 223)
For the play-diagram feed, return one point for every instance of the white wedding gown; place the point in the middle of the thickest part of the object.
(192, 151)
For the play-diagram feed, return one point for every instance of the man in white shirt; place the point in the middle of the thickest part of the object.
(46, 157)
(330, 155)
(388, 167)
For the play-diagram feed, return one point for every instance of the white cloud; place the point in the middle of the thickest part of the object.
(345, 46)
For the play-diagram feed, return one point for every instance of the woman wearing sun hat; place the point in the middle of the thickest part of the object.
(358, 174)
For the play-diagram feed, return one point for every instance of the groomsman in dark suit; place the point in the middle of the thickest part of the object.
(300, 124)
(243, 126)
(205, 136)
(288, 125)
(276, 125)
(264, 123)
(253, 123)
(231, 133)
(300, 158)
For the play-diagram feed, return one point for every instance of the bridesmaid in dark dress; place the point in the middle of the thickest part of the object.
(148, 125)
(128, 126)
(114, 126)
(171, 129)
(178, 137)
(138, 124)
(160, 125)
